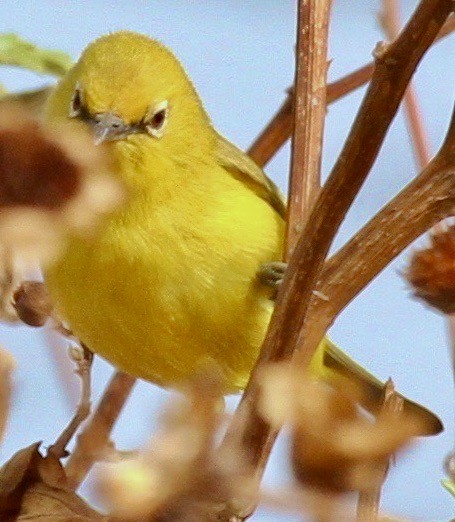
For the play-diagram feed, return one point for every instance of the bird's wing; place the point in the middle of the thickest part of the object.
(246, 170)
(335, 360)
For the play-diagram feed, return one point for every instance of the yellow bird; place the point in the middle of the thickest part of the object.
(170, 284)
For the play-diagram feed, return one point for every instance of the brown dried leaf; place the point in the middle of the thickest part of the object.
(33, 487)
(43, 503)
(181, 475)
(334, 447)
(13, 478)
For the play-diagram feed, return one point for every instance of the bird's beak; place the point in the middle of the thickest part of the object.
(101, 133)
(109, 127)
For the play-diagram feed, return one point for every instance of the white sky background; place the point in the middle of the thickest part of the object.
(240, 55)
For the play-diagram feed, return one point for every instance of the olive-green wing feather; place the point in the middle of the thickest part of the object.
(245, 169)
(335, 360)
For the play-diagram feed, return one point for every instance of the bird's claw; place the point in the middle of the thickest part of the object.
(272, 274)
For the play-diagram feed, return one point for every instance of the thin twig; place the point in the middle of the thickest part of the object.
(279, 129)
(368, 505)
(277, 132)
(83, 358)
(451, 324)
(369, 500)
(394, 68)
(62, 367)
(96, 435)
(390, 21)
(309, 115)
(428, 199)
(416, 128)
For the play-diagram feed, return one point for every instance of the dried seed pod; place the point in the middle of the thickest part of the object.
(32, 303)
(431, 272)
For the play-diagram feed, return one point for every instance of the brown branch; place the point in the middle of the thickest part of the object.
(369, 499)
(390, 21)
(277, 132)
(62, 367)
(83, 358)
(429, 198)
(95, 437)
(394, 68)
(416, 127)
(309, 116)
(279, 129)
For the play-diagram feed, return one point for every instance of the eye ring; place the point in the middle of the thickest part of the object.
(155, 122)
(77, 102)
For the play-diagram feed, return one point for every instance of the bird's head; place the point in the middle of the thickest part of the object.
(130, 90)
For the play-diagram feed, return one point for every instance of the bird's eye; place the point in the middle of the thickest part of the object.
(156, 121)
(76, 105)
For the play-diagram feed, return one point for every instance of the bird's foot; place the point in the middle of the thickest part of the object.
(272, 274)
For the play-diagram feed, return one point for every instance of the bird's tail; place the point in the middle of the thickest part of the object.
(333, 364)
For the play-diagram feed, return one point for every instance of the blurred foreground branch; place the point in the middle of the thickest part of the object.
(389, 18)
(369, 499)
(95, 437)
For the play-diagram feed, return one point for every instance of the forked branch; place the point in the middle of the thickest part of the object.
(428, 199)
(95, 437)
(395, 65)
(279, 129)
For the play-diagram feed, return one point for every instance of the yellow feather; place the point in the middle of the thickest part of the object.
(169, 285)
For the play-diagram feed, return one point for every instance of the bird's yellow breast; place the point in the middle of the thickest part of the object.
(169, 285)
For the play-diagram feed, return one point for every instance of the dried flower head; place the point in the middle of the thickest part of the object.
(334, 447)
(35, 171)
(431, 272)
(181, 475)
(53, 182)
(50, 180)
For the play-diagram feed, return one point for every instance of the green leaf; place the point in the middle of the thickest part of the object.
(20, 53)
(449, 485)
